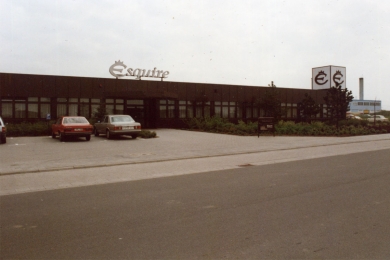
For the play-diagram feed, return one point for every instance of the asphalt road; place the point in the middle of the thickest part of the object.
(327, 208)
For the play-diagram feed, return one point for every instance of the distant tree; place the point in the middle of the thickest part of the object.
(308, 108)
(385, 113)
(337, 103)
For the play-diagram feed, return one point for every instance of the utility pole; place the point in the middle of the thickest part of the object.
(375, 112)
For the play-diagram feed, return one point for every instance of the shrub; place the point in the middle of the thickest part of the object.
(354, 122)
(147, 134)
(217, 124)
(29, 129)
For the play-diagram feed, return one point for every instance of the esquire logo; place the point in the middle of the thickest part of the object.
(321, 76)
(328, 76)
(118, 69)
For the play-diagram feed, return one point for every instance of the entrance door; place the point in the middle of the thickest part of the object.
(143, 111)
(136, 109)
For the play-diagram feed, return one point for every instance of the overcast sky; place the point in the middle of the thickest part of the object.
(225, 42)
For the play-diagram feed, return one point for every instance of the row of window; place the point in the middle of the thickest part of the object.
(35, 107)
(32, 107)
(188, 109)
(361, 103)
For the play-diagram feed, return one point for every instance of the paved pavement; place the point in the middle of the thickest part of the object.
(40, 163)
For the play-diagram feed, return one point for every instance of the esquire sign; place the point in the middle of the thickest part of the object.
(118, 69)
(328, 76)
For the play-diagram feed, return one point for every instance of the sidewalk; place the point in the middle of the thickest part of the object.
(175, 152)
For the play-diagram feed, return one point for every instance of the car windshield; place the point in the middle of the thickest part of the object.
(75, 120)
(122, 119)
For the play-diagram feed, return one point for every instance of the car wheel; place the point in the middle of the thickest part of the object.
(53, 135)
(108, 135)
(88, 137)
(96, 132)
(3, 140)
(134, 136)
(62, 137)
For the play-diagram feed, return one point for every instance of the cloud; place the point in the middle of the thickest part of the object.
(225, 42)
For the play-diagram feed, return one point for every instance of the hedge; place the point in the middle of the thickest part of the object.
(44, 128)
(349, 127)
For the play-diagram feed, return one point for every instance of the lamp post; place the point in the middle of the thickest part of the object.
(375, 112)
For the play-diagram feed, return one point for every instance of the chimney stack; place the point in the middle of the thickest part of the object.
(361, 89)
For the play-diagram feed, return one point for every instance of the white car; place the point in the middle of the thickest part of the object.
(377, 118)
(351, 116)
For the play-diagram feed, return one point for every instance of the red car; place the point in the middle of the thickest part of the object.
(72, 126)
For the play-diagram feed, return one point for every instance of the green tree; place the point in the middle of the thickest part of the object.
(100, 112)
(337, 103)
(271, 103)
(308, 108)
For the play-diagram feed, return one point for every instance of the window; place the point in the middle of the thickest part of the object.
(167, 108)
(62, 107)
(20, 108)
(186, 109)
(84, 107)
(135, 102)
(44, 107)
(249, 111)
(73, 109)
(252, 110)
(198, 110)
(110, 109)
(114, 106)
(294, 110)
(45, 110)
(32, 110)
(283, 110)
(232, 110)
(6, 108)
(95, 104)
(61, 110)
(226, 109)
(206, 107)
(32, 107)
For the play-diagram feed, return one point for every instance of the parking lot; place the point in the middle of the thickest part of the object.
(33, 154)
(41, 163)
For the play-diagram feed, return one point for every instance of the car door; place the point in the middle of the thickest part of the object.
(100, 126)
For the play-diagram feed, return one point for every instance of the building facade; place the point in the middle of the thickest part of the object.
(25, 97)
(365, 106)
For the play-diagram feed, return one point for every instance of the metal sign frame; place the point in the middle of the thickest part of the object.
(265, 124)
